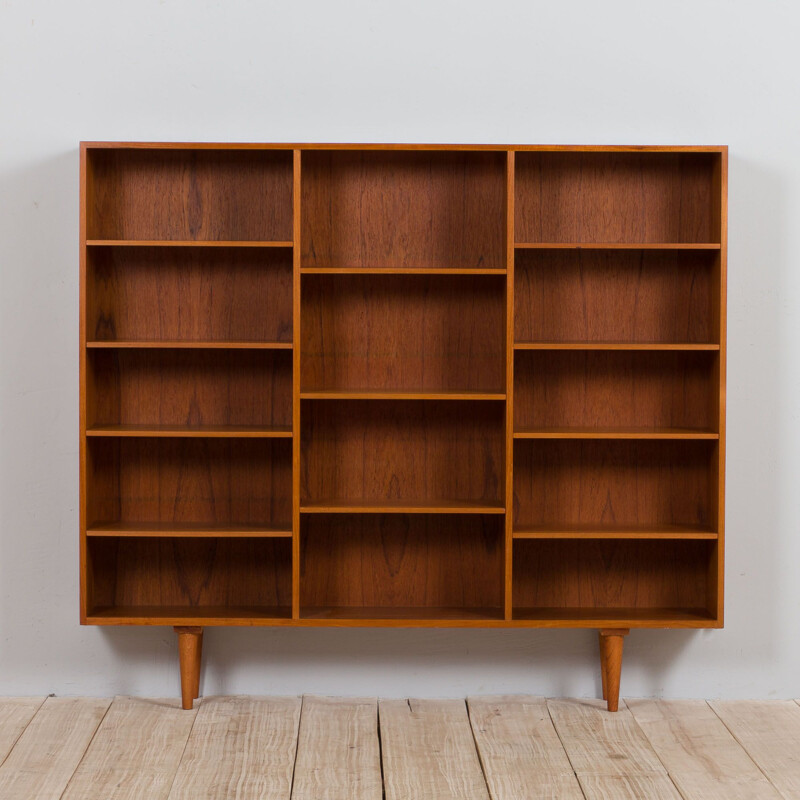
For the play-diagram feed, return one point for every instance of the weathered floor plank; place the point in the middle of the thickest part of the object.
(769, 730)
(338, 751)
(15, 714)
(239, 748)
(699, 752)
(609, 753)
(135, 752)
(49, 750)
(428, 751)
(520, 751)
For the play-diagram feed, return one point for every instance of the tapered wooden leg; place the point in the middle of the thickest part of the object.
(190, 651)
(611, 640)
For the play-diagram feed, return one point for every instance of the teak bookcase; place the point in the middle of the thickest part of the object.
(402, 385)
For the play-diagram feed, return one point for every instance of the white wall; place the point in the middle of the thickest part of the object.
(620, 71)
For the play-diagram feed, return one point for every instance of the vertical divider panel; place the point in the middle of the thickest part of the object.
(509, 471)
(716, 576)
(296, 252)
(84, 202)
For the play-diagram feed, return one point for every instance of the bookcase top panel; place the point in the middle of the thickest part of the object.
(408, 146)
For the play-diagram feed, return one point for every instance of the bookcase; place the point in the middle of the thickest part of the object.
(402, 385)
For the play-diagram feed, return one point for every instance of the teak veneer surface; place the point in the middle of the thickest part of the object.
(185, 294)
(395, 452)
(402, 560)
(615, 389)
(617, 296)
(190, 480)
(396, 209)
(614, 197)
(418, 332)
(402, 384)
(191, 388)
(190, 195)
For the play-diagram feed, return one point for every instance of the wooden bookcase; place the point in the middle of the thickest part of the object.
(402, 385)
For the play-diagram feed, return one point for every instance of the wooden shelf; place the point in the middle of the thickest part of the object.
(613, 433)
(400, 271)
(587, 531)
(688, 346)
(187, 530)
(189, 615)
(399, 613)
(179, 344)
(623, 617)
(202, 431)
(388, 507)
(388, 394)
(616, 246)
(182, 243)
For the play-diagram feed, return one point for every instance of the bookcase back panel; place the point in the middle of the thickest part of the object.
(200, 481)
(403, 209)
(602, 575)
(191, 574)
(614, 296)
(189, 294)
(390, 451)
(615, 389)
(403, 332)
(190, 195)
(613, 483)
(189, 388)
(383, 561)
(615, 197)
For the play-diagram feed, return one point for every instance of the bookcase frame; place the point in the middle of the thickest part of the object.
(402, 385)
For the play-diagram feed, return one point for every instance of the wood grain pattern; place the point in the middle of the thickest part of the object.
(239, 748)
(508, 474)
(396, 560)
(630, 482)
(649, 346)
(521, 754)
(396, 451)
(279, 243)
(407, 146)
(615, 389)
(609, 753)
(193, 574)
(402, 332)
(428, 751)
(189, 294)
(190, 388)
(403, 209)
(610, 574)
(614, 197)
(191, 481)
(297, 229)
(338, 750)
(770, 732)
(135, 752)
(15, 714)
(610, 295)
(193, 431)
(50, 749)
(197, 195)
(185, 344)
(702, 757)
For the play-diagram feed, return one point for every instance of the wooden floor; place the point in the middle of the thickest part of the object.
(503, 748)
